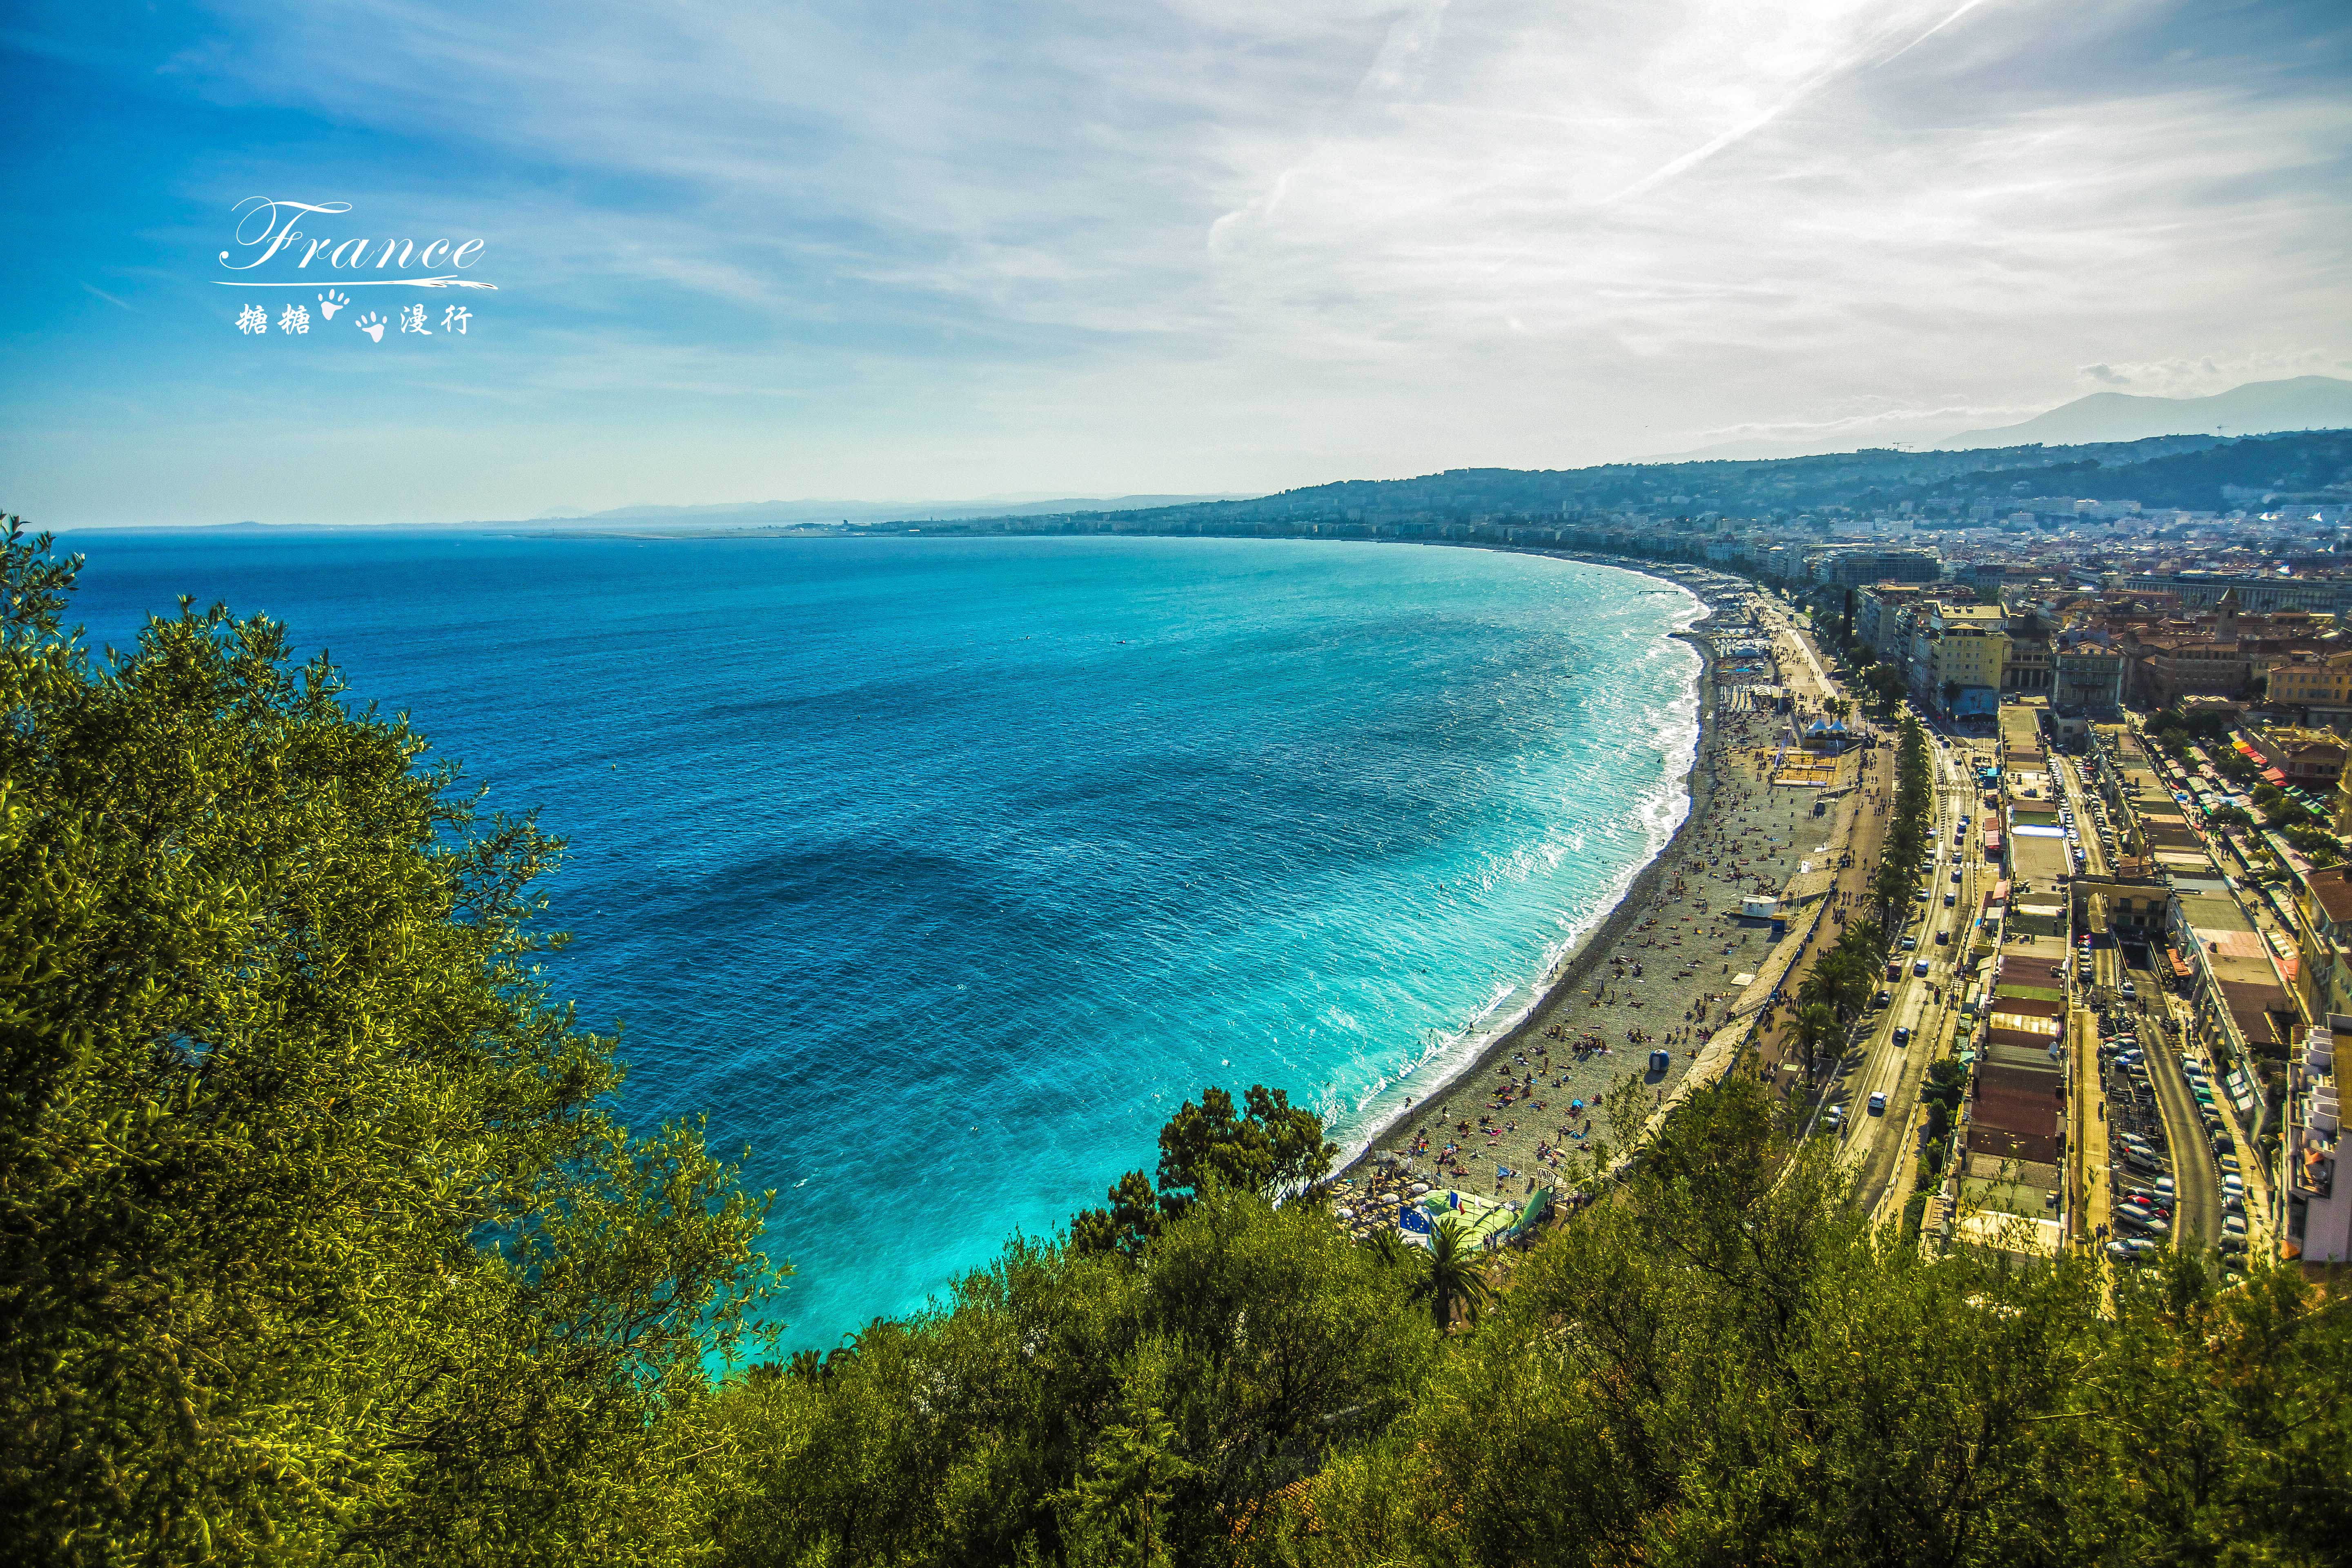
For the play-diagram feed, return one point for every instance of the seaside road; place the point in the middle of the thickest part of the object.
(1876, 1147)
(2196, 1181)
(1879, 1149)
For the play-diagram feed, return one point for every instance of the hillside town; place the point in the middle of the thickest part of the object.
(2140, 829)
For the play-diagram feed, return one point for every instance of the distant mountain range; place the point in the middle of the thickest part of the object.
(795, 514)
(2259, 407)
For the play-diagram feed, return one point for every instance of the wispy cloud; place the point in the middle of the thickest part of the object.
(1211, 245)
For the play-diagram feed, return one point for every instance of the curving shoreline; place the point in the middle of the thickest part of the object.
(1708, 814)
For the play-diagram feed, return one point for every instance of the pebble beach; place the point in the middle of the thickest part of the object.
(1656, 974)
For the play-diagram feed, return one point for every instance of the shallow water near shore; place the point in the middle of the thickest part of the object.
(940, 871)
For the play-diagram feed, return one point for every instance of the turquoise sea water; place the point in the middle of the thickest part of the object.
(940, 871)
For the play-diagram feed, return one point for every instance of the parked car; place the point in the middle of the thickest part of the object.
(2233, 1225)
(2228, 1163)
(1832, 1118)
(1909, 942)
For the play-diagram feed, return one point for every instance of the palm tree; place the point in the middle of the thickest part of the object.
(1818, 989)
(1864, 937)
(1455, 1275)
(1815, 1026)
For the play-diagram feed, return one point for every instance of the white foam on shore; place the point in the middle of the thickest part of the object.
(1659, 812)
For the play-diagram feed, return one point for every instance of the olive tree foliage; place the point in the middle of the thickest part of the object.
(317, 1239)
(1270, 1148)
(1078, 1407)
(1729, 1365)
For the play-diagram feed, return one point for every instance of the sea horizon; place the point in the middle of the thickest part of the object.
(940, 871)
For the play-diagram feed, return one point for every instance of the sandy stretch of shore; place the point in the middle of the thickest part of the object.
(1658, 972)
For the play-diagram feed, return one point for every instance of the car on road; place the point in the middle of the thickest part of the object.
(1883, 998)
(1950, 900)
(2131, 992)
(1878, 1102)
(1919, 969)
(1902, 1036)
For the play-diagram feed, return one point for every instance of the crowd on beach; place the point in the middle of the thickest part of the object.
(1660, 977)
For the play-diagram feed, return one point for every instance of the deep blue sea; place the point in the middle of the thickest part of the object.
(940, 871)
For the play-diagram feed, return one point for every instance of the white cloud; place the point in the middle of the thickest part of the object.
(1210, 245)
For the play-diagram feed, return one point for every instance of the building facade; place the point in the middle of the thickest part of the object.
(2087, 680)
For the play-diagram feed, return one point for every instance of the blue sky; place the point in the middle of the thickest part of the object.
(755, 251)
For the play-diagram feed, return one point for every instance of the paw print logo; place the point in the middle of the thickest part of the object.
(332, 300)
(372, 325)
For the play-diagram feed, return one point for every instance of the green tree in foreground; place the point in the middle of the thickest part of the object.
(1730, 1366)
(317, 1240)
(1272, 1148)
